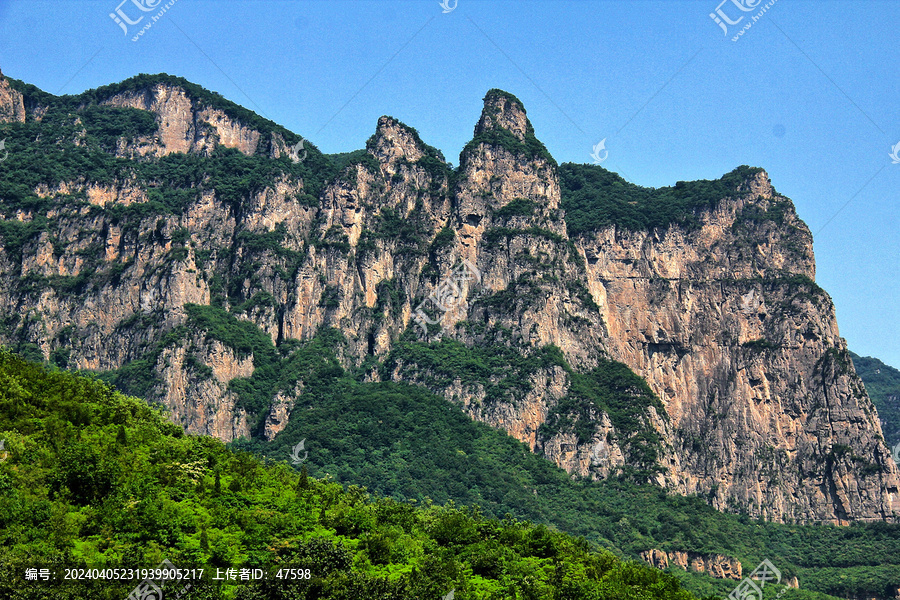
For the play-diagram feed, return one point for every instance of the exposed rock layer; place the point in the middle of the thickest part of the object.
(762, 409)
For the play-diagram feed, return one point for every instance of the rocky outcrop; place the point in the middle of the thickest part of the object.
(718, 566)
(183, 126)
(199, 401)
(12, 105)
(757, 406)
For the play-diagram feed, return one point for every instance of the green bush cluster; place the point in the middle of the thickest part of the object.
(594, 197)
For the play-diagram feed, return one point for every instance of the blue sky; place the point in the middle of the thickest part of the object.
(810, 92)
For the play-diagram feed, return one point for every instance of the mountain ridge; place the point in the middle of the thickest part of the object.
(714, 305)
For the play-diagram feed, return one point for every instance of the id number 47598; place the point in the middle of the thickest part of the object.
(293, 574)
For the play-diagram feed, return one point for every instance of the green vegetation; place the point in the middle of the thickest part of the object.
(402, 441)
(883, 386)
(493, 235)
(443, 239)
(531, 148)
(616, 390)
(407, 443)
(518, 207)
(502, 371)
(342, 160)
(775, 213)
(408, 232)
(96, 479)
(273, 370)
(594, 197)
(108, 125)
(760, 345)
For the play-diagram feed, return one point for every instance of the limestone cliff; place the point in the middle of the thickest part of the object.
(750, 399)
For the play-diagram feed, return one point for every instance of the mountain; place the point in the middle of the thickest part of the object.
(883, 386)
(91, 479)
(199, 255)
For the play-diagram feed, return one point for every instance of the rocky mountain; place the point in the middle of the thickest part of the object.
(187, 249)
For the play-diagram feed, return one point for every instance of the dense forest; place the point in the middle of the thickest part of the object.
(92, 478)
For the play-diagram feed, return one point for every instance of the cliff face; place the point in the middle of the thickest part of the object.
(746, 357)
(12, 105)
(752, 400)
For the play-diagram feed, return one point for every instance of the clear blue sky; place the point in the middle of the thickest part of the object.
(810, 93)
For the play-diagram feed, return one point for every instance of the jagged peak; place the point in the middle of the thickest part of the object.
(199, 96)
(759, 183)
(504, 124)
(502, 110)
(394, 140)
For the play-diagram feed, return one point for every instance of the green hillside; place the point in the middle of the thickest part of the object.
(405, 442)
(93, 478)
(883, 386)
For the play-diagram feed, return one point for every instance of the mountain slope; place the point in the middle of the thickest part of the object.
(171, 254)
(883, 386)
(127, 488)
(92, 479)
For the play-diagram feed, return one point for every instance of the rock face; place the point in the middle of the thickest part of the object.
(12, 105)
(716, 565)
(754, 405)
(184, 127)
